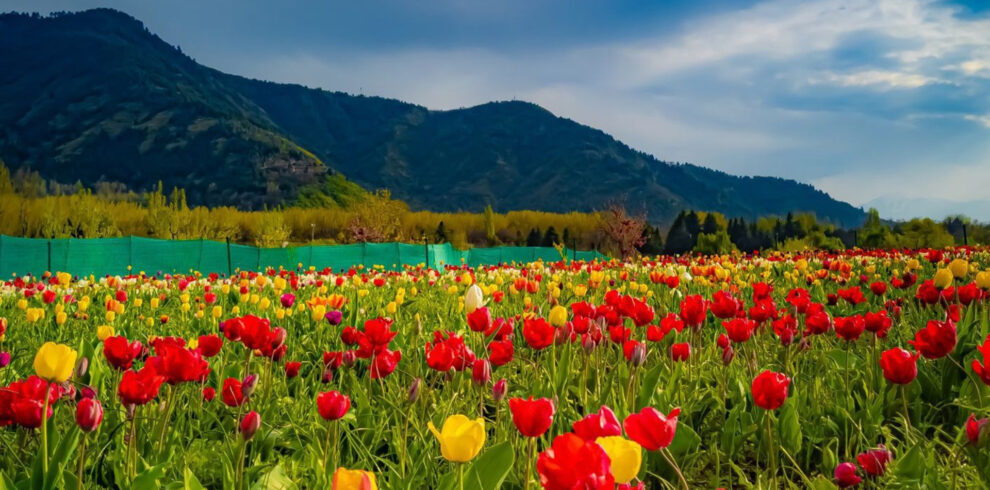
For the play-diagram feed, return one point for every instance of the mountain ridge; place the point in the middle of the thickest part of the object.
(156, 113)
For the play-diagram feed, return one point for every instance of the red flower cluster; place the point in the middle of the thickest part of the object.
(22, 402)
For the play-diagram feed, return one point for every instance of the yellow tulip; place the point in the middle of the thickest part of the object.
(460, 438)
(55, 362)
(580, 290)
(345, 479)
(104, 332)
(391, 307)
(64, 278)
(626, 457)
(473, 299)
(558, 316)
(959, 268)
(983, 279)
(154, 303)
(943, 278)
(22, 304)
(60, 318)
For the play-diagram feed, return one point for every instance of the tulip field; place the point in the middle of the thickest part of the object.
(866, 369)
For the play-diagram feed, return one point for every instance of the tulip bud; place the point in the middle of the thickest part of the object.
(327, 376)
(414, 391)
(348, 359)
(249, 384)
(278, 339)
(499, 390)
(588, 344)
(4, 359)
(209, 393)
(250, 424)
(727, 354)
(88, 392)
(638, 357)
(82, 367)
(89, 414)
(287, 300)
(481, 372)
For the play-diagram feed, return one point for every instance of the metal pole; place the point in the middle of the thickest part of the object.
(49, 255)
(965, 238)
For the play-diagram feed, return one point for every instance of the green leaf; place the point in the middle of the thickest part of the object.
(648, 387)
(490, 470)
(190, 482)
(276, 479)
(822, 483)
(911, 466)
(148, 479)
(64, 450)
(789, 428)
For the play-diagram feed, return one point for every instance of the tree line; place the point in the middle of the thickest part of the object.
(30, 206)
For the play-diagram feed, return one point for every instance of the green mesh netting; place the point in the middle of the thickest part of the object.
(103, 256)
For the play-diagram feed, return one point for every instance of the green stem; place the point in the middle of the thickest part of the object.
(677, 469)
(44, 429)
(169, 402)
(529, 461)
(82, 459)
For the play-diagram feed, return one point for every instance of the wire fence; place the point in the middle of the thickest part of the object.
(113, 256)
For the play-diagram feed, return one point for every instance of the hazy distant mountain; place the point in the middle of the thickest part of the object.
(902, 208)
(94, 96)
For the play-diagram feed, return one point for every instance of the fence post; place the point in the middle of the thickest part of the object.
(230, 269)
(49, 255)
(364, 253)
(965, 238)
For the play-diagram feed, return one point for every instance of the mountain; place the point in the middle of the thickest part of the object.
(93, 96)
(905, 208)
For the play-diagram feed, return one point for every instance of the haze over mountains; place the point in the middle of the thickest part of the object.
(94, 96)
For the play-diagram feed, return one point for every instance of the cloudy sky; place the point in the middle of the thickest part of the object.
(864, 98)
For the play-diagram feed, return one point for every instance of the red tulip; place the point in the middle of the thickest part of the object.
(120, 353)
(975, 428)
(209, 393)
(770, 390)
(179, 364)
(481, 372)
(680, 351)
(724, 305)
(739, 329)
(816, 320)
(574, 463)
(899, 366)
(693, 310)
(439, 357)
(500, 352)
(231, 393)
(250, 424)
(89, 414)
(384, 363)
(651, 429)
(878, 323)
(209, 345)
(874, 462)
(538, 333)
(602, 423)
(292, 369)
(936, 340)
(332, 405)
(849, 328)
(983, 369)
(878, 288)
(786, 328)
(531, 417)
(499, 389)
(480, 320)
(845, 475)
(139, 387)
(22, 402)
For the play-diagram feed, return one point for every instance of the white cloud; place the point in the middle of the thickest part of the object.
(886, 79)
(704, 92)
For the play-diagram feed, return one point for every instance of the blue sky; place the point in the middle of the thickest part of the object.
(863, 98)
